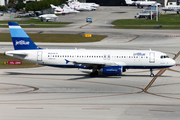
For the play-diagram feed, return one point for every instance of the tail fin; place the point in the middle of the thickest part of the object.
(21, 40)
(128, 1)
(52, 6)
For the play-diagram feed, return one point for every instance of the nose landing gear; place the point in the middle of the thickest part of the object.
(152, 74)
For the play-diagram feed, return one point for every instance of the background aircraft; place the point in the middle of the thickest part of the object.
(141, 3)
(81, 6)
(63, 9)
(109, 62)
(90, 4)
(175, 8)
(48, 17)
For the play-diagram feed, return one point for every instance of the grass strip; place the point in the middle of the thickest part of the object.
(37, 24)
(170, 21)
(146, 27)
(56, 38)
(35, 21)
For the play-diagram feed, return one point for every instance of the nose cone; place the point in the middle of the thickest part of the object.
(172, 62)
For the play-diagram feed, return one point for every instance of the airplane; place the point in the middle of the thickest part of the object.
(108, 62)
(64, 10)
(141, 3)
(48, 17)
(175, 8)
(81, 6)
(90, 4)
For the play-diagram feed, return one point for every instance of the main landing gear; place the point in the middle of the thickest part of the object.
(152, 74)
(94, 73)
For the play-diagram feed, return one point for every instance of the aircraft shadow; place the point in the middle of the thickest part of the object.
(52, 74)
(119, 12)
(82, 76)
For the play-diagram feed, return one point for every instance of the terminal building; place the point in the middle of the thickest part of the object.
(4, 2)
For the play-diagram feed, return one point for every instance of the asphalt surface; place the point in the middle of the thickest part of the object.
(70, 94)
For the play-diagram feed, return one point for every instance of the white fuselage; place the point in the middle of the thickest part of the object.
(144, 59)
(140, 3)
(171, 8)
(48, 16)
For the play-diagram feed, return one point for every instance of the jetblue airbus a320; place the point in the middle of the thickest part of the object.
(109, 62)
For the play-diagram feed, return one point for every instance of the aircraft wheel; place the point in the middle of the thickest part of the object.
(94, 74)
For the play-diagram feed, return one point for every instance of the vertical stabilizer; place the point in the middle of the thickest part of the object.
(20, 39)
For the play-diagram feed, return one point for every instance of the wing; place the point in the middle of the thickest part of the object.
(98, 64)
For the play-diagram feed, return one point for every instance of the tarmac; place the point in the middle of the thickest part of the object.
(45, 93)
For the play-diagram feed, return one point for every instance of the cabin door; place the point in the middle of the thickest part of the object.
(39, 55)
(151, 57)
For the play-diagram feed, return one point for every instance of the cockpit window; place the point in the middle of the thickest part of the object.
(164, 56)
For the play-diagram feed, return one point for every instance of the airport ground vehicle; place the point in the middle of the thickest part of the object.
(145, 14)
(12, 10)
(23, 15)
(89, 19)
(1, 13)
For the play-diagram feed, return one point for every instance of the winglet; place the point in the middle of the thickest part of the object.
(21, 40)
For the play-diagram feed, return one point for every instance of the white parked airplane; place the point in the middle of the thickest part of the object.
(109, 62)
(64, 10)
(175, 8)
(81, 6)
(141, 3)
(90, 4)
(48, 17)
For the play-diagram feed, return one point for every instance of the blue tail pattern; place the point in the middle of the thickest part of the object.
(21, 40)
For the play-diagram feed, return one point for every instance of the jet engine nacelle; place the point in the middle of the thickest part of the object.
(112, 70)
